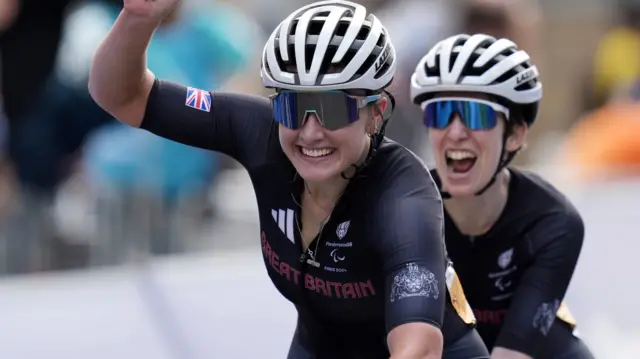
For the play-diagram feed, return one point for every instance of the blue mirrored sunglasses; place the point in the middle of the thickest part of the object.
(475, 114)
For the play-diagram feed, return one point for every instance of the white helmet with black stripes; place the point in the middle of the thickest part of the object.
(329, 45)
(479, 63)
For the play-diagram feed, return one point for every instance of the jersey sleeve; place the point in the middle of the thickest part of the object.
(237, 125)
(408, 236)
(555, 242)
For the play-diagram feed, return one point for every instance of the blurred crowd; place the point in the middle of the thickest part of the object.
(78, 189)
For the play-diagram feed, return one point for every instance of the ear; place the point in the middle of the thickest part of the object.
(517, 137)
(381, 104)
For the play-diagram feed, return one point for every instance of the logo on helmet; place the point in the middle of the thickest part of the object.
(383, 58)
(524, 77)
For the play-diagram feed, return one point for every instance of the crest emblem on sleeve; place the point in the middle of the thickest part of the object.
(414, 281)
(545, 315)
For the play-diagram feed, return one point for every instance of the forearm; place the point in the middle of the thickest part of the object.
(119, 66)
(8, 13)
(415, 341)
(503, 353)
(433, 351)
(427, 356)
(434, 355)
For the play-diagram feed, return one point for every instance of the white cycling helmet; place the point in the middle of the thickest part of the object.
(329, 45)
(479, 63)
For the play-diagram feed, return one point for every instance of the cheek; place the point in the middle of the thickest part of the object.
(491, 146)
(287, 140)
(345, 134)
(435, 140)
(287, 136)
(347, 141)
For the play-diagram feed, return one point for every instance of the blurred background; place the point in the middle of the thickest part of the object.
(117, 243)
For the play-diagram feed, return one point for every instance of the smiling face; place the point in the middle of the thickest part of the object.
(466, 160)
(319, 154)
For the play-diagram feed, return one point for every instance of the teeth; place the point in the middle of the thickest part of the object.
(459, 154)
(316, 152)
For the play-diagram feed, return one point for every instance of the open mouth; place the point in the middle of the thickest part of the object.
(460, 161)
(316, 152)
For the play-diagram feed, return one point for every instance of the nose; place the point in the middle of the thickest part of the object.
(456, 130)
(311, 129)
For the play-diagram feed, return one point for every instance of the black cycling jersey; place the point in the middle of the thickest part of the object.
(380, 259)
(515, 276)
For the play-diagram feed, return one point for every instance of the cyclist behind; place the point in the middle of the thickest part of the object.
(342, 209)
(513, 238)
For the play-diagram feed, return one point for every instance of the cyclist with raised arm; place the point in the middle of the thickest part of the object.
(342, 208)
(513, 238)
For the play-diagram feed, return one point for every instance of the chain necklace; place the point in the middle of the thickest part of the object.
(320, 226)
(312, 253)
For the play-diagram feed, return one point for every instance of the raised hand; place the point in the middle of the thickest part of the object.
(152, 9)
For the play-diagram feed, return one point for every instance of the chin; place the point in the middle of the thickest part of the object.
(462, 187)
(317, 175)
(461, 190)
(459, 184)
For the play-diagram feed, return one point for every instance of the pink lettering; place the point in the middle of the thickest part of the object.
(479, 314)
(266, 248)
(284, 270)
(336, 288)
(494, 317)
(357, 288)
(309, 282)
(347, 291)
(275, 262)
(367, 285)
(296, 274)
(318, 285)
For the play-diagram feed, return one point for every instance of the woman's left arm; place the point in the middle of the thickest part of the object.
(555, 244)
(408, 236)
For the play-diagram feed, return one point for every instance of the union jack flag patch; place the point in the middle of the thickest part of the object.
(198, 99)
